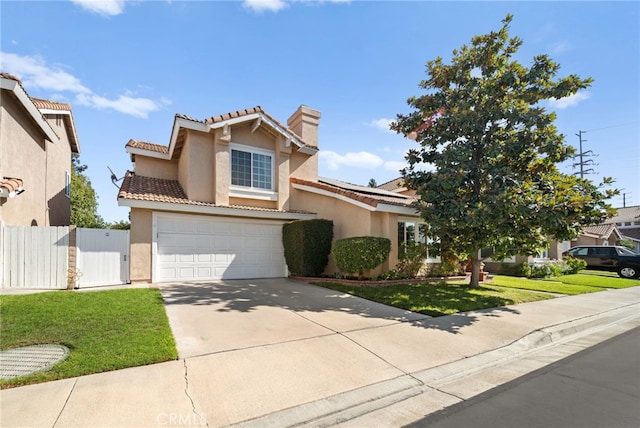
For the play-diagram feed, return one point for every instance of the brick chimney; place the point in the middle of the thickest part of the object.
(304, 122)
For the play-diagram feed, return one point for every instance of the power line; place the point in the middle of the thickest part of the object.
(612, 126)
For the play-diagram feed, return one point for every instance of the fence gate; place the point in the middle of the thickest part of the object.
(34, 257)
(102, 257)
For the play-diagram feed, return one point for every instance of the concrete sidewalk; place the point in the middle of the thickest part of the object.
(402, 369)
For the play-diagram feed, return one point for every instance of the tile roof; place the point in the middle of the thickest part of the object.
(137, 144)
(10, 184)
(16, 79)
(159, 148)
(602, 230)
(252, 110)
(234, 114)
(393, 185)
(626, 214)
(50, 105)
(41, 104)
(184, 116)
(361, 194)
(141, 188)
(11, 77)
(68, 119)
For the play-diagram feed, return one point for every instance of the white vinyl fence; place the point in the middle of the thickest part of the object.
(62, 257)
(102, 257)
(34, 257)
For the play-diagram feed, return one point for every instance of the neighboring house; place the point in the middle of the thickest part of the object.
(601, 234)
(37, 139)
(212, 203)
(397, 186)
(628, 222)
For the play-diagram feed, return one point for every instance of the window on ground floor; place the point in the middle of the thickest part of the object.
(412, 231)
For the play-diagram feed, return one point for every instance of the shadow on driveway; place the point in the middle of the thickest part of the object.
(247, 296)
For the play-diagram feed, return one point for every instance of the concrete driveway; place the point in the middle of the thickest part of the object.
(213, 317)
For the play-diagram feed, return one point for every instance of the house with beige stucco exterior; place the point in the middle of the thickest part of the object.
(37, 139)
(211, 204)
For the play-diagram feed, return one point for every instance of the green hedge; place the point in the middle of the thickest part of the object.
(355, 255)
(307, 244)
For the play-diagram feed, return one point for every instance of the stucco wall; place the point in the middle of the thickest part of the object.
(22, 155)
(183, 166)
(242, 134)
(140, 240)
(303, 166)
(587, 240)
(58, 165)
(350, 220)
(157, 168)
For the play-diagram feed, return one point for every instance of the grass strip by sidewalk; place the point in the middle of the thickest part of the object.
(601, 281)
(437, 299)
(104, 330)
(548, 286)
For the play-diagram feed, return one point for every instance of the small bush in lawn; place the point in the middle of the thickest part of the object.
(307, 244)
(358, 254)
(521, 269)
(552, 268)
(411, 255)
(574, 265)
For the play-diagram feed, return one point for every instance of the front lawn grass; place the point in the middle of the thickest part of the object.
(549, 286)
(104, 330)
(438, 299)
(601, 280)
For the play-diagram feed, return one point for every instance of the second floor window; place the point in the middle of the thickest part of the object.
(252, 169)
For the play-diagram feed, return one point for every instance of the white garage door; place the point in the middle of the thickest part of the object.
(205, 248)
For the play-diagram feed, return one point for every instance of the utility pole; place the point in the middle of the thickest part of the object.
(582, 156)
(624, 198)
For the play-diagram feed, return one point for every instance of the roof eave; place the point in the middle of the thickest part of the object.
(68, 117)
(25, 100)
(213, 210)
(376, 207)
(265, 119)
(147, 153)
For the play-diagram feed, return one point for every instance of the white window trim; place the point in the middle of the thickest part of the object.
(253, 192)
(416, 236)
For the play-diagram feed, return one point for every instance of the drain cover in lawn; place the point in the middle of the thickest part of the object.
(29, 359)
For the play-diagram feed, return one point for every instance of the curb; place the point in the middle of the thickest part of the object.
(349, 405)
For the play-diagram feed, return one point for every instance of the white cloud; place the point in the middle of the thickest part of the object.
(34, 72)
(394, 165)
(102, 7)
(382, 124)
(570, 101)
(335, 160)
(260, 6)
(138, 107)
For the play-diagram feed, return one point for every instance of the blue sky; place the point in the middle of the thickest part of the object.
(127, 67)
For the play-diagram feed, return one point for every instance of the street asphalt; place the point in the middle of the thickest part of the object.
(594, 388)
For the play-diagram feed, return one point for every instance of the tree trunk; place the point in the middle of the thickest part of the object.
(475, 272)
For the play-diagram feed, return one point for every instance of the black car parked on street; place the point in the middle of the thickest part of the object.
(611, 258)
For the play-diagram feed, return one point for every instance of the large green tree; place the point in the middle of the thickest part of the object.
(483, 126)
(84, 200)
